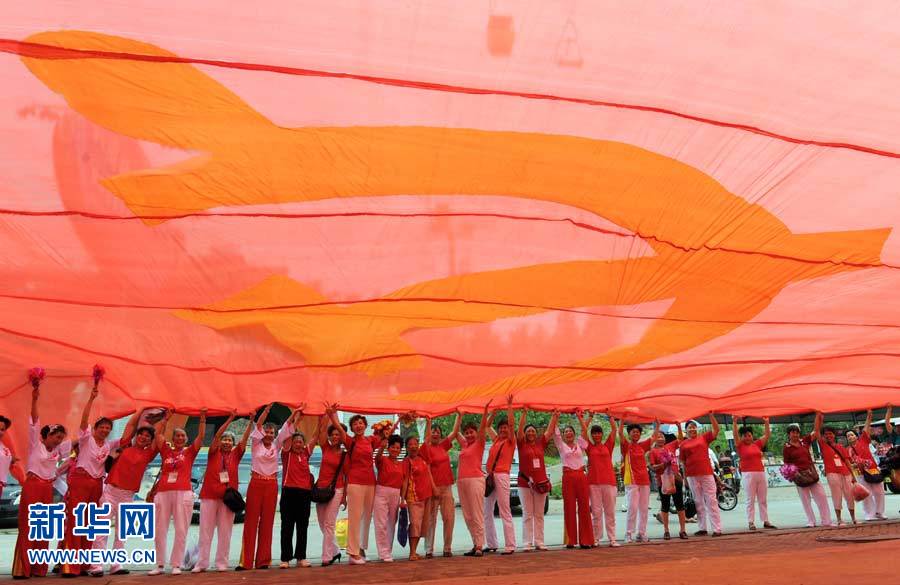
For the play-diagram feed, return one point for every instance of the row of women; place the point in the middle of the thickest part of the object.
(420, 482)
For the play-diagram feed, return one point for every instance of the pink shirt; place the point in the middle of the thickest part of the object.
(572, 456)
(5, 462)
(41, 462)
(264, 460)
(470, 459)
(91, 456)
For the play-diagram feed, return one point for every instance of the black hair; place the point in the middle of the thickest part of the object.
(438, 429)
(103, 421)
(692, 422)
(410, 438)
(744, 430)
(829, 429)
(569, 428)
(530, 426)
(298, 434)
(270, 426)
(501, 422)
(633, 426)
(6, 422)
(332, 428)
(470, 425)
(596, 429)
(48, 430)
(395, 440)
(150, 430)
(357, 417)
(792, 428)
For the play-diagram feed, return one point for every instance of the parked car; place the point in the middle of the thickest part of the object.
(9, 503)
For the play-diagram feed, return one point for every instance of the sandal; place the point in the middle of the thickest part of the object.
(666, 535)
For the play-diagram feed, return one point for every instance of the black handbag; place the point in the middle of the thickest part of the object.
(489, 480)
(322, 495)
(233, 500)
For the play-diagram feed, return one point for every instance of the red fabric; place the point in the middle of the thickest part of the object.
(528, 455)
(861, 448)
(695, 454)
(470, 458)
(417, 471)
(600, 464)
(502, 451)
(213, 488)
(832, 458)
(259, 518)
(362, 469)
(129, 468)
(34, 491)
(636, 453)
(180, 462)
(390, 472)
(439, 458)
(751, 455)
(82, 488)
(577, 508)
(798, 455)
(295, 471)
(331, 458)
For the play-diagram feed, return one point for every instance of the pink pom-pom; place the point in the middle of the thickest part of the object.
(99, 372)
(35, 375)
(789, 471)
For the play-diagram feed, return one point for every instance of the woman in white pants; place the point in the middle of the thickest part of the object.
(796, 452)
(636, 479)
(694, 454)
(174, 497)
(601, 478)
(534, 484)
(215, 517)
(387, 496)
(753, 473)
(499, 463)
(331, 473)
(470, 481)
(838, 473)
(865, 462)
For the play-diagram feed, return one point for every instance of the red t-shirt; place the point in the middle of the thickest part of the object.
(861, 449)
(175, 474)
(531, 461)
(417, 471)
(657, 453)
(600, 464)
(502, 451)
(832, 460)
(798, 455)
(636, 452)
(129, 468)
(439, 458)
(751, 455)
(470, 460)
(390, 472)
(362, 468)
(213, 487)
(695, 454)
(331, 458)
(295, 469)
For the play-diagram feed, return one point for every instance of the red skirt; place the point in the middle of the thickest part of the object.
(34, 491)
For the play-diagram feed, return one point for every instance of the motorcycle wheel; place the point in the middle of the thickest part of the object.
(727, 499)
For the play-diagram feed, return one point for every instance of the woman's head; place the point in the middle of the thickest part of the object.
(52, 436)
(746, 435)
(437, 435)
(412, 446)
(470, 432)
(530, 433)
(395, 445)
(691, 429)
(269, 431)
(144, 436)
(503, 428)
(852, 437)
(179, 437)
(358, 424)
(226, 442)
(568, 434)
(298, 442)
(596, 433)
(659, 440)
(634, 432)
(334, 435)
(102, 428)
(829, 434)
(793, 432)
(4, 424)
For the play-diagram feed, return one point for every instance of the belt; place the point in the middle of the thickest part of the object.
(255, 475)
(570, 470)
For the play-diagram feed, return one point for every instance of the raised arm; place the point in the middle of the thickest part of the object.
(888, 425)
(680, 431)
(86, 413)
(510, 415)
(712, 419)
(130, 427)
(817, 428)
(867, 429)
(520, 432)
(767, 430)
(552, 425)
(164, 427)
(622, 446)
(734, 429)
(485, 421)
(35, 397)
(331, 411)
(456, 424)
(246, 436)
(427, 438)
(261, 419)
(489, 429)
(201, 430)
(583, 421)
(311, 443)
(214, 446)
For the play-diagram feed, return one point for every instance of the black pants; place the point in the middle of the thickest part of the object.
(295, 505)
(678, 497)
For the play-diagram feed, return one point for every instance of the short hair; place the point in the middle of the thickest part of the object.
(179, 430)
(298, 434)
(530, 426)
(470, 425)
(501, 422)
(744, 430)
(829, 429)
(357, 417)
(596, 429)
(438, 429)
(792, 428)
(103, 421)
(6, 422)
(410, 438)
(48, 430)
(227, 434)
(332, 428)
(149, 430)
(633, 426)
(854, 431)
(569, 428)
(692, 422)
(395, 440)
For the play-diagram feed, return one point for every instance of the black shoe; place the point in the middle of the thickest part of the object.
(262, 568)
(68, 575)
(121, 572)
(471, 553)
(584, 546)
(570, 546)
(770, 526)
(507, 552)
(240, 568)
(683, 535)
(96, 573)
(717, 534)
(667, 536)
(701, 533)
(488, 550)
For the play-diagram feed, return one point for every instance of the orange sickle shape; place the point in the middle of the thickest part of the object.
(719, 257)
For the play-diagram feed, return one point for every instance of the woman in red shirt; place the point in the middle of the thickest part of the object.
(387, 496)
(863, 459)
(637, 479)
(174, 497)
(663, 459)
(221, 473)
(534, 485)
(437, 453)
(694, 453)
(499, 463)
(753, 473)
(796, 452)
(418, 486)
(838, 473)
(471, 481)
(360, 490)
(296, 490)
(331, 470)
(601, 477)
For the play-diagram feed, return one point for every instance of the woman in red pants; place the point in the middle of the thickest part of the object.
(576, 493)
(47, 447)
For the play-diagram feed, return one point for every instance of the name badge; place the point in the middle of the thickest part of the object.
(223, 476)
(535, 463)
(172, 477)
(838, 462)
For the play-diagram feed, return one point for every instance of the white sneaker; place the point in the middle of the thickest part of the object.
(614, 544)
(358, 560)
(628, 538)
(156, 571)
(176, 570)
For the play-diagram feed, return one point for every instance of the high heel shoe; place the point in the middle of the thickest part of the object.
(335, 559)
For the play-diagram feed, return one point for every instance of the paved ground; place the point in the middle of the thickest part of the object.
(784, 510)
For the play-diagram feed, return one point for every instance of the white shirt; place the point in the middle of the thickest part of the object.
(5, 462)
(712, 457)
(264, 460)
(41, 462)
(91, 456)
